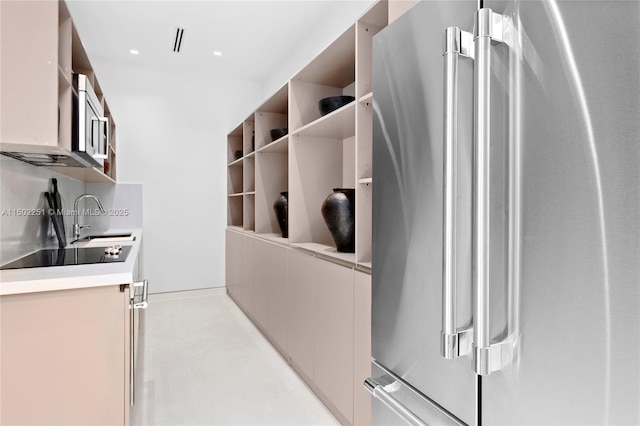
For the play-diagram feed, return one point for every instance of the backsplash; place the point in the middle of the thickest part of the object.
(122, 202)
(23, 227)
(21, 188)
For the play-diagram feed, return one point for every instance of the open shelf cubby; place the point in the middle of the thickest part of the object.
(248, 136)
(317, 166)
(234, 178)
(331, 73)
(234, 211)
(234, 145)
(249, 222)
(248, 170)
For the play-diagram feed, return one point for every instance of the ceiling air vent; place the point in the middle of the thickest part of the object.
(177, 42)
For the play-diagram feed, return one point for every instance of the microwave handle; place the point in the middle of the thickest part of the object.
(102, 153)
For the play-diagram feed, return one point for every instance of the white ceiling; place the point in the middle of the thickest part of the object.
(256, 38)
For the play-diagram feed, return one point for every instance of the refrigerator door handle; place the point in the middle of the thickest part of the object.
(454, 342)
(490, 28)
(383, 394)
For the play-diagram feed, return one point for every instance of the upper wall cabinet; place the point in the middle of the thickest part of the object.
(41, 52)
(287, 145)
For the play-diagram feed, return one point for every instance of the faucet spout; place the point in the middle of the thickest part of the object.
(76, 224)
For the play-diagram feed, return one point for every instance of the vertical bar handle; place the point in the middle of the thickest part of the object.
(132, 341)
(490, 28)
(456, 43)
(143, 303)
(133, 305)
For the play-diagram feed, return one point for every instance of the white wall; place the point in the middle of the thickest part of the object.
(171, 137)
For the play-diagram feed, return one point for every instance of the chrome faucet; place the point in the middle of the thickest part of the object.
(76, 225)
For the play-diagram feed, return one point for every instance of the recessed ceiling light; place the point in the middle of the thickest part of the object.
(134, 52)
(216, 53)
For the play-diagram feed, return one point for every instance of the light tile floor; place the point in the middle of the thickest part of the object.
(202, 362)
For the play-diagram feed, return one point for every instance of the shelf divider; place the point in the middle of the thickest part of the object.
(279, 146)
(339, 124)
(366, 98)
(327, 251)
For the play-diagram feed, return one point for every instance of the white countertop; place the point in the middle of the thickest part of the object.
(31, 280)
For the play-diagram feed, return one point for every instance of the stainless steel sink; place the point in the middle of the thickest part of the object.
(107, 238)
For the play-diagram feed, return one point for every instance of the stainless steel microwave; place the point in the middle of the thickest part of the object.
(90, 136)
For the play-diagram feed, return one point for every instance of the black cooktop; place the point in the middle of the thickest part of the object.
(68, 256)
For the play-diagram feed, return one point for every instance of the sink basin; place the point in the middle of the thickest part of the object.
(107, 238)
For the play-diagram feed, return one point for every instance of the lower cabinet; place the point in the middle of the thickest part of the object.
(275, 278)
(263, 275)
(233, 262)
(333, 336)
(240, 269)
(316, 313)
(65, 357)
(247, 295)
(301, 278)
(361, 347)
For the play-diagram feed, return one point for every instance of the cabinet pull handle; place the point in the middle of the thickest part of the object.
(133, 305)
(143, 303)
(380, 392)
(490, 27)
(454, 342)
(132, 342)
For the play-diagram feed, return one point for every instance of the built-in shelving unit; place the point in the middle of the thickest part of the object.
(318, 154)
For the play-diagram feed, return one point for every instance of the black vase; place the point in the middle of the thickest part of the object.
(339, 213)
(281, 207)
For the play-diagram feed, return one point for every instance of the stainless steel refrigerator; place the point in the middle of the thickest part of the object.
(506, 214)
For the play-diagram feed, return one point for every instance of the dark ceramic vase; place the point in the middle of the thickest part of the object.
(339, 213)
(281, 207)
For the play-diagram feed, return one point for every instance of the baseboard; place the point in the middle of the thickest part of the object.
(187, 294)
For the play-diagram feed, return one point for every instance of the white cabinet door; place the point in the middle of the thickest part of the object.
(65, 357)
(29, 77)
(261, 282)
(233, 263)
(300, 281)
(245, 292)
(361, 347)
(333, 340)
(279, 304)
